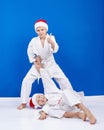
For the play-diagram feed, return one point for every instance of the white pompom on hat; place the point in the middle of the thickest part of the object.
(33, 103)
(41, 23)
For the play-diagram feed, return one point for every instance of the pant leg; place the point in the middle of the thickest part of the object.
(70, 95)
(27, 82)
(71, 98)
(61, 79)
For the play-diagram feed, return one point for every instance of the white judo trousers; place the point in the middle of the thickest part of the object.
(49, 63)
(53, 71)
(59, 101)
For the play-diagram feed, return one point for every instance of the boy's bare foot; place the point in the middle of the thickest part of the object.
(91, 117)
(20, 107)
(81, 116)
(88, 113)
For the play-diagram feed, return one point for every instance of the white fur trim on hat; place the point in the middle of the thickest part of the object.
(41, 23)
(34, 100)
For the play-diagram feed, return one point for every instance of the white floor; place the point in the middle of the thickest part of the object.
(27, 119)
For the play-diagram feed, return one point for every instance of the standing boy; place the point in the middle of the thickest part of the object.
(42, 48)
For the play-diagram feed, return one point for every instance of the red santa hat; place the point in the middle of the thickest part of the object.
(33, 103)
(41, 23)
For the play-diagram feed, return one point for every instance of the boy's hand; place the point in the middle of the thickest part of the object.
(38, 63)
(43, 116)
(38, 59)
(50, 41)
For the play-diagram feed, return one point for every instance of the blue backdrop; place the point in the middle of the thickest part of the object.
(78, 26)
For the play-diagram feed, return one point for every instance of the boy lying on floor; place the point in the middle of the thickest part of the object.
(60, 103)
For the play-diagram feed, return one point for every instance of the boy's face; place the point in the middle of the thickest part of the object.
(41, 31)
(41, 99)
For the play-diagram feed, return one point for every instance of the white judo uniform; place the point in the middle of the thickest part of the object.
(49, 63)
(59, 101)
